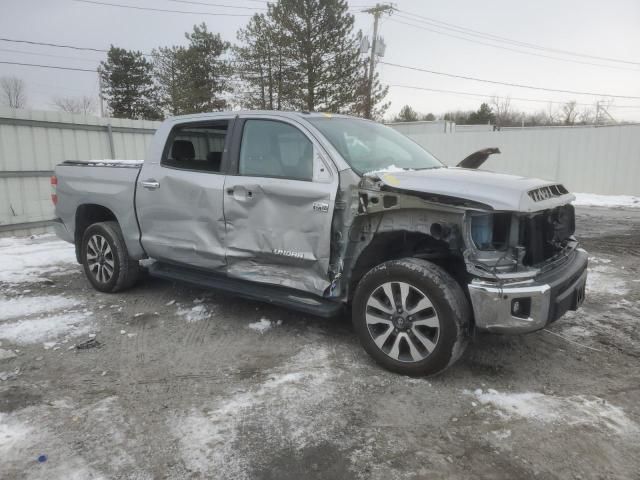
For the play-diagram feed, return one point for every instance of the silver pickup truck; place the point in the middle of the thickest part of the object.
(316, 212)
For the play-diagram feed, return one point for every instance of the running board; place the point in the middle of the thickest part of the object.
(281, 296)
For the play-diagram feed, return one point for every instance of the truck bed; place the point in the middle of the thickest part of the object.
(111, 184)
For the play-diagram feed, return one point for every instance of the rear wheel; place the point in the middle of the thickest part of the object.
(411, 316)
(105, 258)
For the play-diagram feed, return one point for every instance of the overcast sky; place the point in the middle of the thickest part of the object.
(597, 28)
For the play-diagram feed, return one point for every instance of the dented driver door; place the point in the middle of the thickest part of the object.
(278, 205)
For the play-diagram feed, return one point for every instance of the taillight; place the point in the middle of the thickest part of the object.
(54, 186)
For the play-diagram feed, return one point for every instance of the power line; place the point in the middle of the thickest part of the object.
(471, 40)
(22, 52)
(457, 92)
(490, 36)
(191, 2)
(133, 7)
(495, 82)
(57, 45)
(49, 66)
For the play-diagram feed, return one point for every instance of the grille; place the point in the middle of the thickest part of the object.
(549, 191)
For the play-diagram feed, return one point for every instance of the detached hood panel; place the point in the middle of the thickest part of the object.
(496, 190)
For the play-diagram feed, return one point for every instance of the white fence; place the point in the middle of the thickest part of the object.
(33, 142)
(603, 159)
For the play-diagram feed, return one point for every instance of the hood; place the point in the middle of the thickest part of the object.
(497, 191)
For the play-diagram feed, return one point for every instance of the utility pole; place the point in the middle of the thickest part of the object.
(377, 12)
(100, 96)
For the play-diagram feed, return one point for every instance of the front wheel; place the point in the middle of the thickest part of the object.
(105, 258)
(411, 316)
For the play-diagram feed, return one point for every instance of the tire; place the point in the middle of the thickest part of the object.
(426, 330)
(106, 260)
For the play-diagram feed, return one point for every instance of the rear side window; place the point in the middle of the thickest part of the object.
(196, 146)
(275, 149)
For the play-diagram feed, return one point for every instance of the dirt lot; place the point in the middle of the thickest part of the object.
(187, 383)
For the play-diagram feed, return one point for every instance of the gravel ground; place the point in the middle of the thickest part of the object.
(187, 383)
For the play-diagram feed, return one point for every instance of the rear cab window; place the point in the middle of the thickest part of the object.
(198, 146)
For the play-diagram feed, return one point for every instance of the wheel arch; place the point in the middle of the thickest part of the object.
(397, 244)
(86, 215)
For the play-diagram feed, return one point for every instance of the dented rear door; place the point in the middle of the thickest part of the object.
(278, 204)
(179, 196)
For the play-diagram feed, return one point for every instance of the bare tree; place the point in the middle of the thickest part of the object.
(570, 112)
(502, 110)
(13, 92)
(85, 105)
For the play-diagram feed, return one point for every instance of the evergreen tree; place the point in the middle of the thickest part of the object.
(168, 71)
(261, 65)
(202, 73)
(193, 78)
(128, 85)
(407, 114)
(484, 115)
(321, 52)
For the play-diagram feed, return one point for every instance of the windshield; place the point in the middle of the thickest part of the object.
(369, 146)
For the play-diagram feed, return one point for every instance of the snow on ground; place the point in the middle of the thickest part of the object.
(572, 410)
(194, 314)
(605, 280)
(23, 306)
(13, 435)
(293, 407)
(52, 429)
(51, 329)
(594, 200)
(263, 325)
(26, 260)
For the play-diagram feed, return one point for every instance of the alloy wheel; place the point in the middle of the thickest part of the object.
(402, 321)
(100, 259)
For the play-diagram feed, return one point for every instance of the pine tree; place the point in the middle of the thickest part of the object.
(168, 76)
(407, 114)
(204, 75)
(320, 51)
(193, 78)
(128, 85)
(261, 65)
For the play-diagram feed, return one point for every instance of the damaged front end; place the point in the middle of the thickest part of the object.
(527, 268)
(514, 250)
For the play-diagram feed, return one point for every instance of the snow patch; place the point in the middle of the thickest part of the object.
(572, 410)
(389, 169)
(13, 435)
(195, 314)
(595, 200)
(48, 329)
(293, 406)
(263, 325)
(31, 259)
(25, 306)
(605, 280)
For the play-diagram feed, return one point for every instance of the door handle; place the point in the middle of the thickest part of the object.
(150, 184)
(240, 193)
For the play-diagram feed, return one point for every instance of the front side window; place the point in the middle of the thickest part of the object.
(369, 146)
(275, 149)
(197, 146)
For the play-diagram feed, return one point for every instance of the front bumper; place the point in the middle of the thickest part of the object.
(540, 301)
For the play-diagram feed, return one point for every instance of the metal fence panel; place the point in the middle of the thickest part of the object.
(33, 142)
(604, 160)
